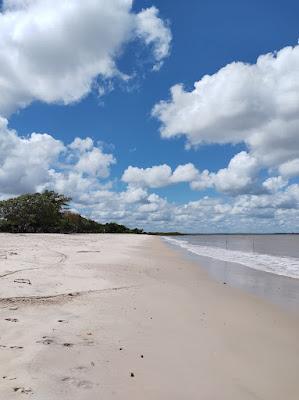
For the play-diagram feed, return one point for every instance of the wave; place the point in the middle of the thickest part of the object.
(287, 266)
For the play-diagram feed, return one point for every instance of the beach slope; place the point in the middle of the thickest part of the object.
(127, 317)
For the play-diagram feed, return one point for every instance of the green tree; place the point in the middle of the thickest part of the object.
(39, 212)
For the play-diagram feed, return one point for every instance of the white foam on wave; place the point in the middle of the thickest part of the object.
(287, 266)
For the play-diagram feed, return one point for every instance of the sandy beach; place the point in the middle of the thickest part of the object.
(87, 317)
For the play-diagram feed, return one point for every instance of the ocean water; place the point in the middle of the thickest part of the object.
(278, 254)
(264, 265)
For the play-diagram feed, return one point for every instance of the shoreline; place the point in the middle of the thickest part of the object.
(280, 290)
(120, 305)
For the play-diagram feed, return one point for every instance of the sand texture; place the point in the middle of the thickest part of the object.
(90, 317)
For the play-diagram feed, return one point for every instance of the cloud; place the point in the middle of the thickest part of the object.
(268, 204)
(275, 183)
(268, 212)
(241, 103)
(81, 170)
(55, 54)
(203, 180)
(159, 175)
(154, 177)
(241, 176)
(39, 161)
(95, 163)
(25, 162)
(184, 173)
(154, 32)
(134, 195)
(290, 168)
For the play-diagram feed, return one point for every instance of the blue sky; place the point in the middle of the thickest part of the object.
(205, 37)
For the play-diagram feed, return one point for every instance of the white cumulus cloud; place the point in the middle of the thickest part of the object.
(153, 177)
(159, 175)
(25, 162)
(39, 161)
(240, 176)
(255, 104)
(184, 173)
(55, 52)
(154, 32)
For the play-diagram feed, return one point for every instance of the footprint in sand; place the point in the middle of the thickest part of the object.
(68, 344)
(80, 368)
(78, 383)
(88, 342)
(11, 319)
(83, 368)
(46, 340)
(22, 390)
(8, 378)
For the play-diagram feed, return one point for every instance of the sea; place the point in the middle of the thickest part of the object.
(266, 265)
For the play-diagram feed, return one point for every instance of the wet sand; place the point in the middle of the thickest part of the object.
(277, 289)
(127, 317)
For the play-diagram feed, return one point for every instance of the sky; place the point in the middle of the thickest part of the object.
(165, 115)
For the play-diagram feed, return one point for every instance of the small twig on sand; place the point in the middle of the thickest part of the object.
(26, 281)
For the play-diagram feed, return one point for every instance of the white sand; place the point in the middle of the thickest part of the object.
(132, 296)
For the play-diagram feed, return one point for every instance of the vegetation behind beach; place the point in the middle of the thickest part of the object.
(48, 212)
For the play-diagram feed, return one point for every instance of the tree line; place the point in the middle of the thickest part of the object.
(48, 212)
